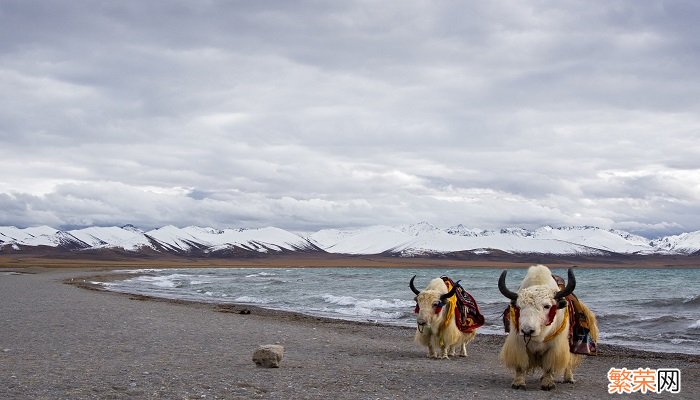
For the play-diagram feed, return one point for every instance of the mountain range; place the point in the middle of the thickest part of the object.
(415, 240)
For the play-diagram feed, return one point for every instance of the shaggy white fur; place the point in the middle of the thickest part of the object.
(526, 348)
(431, 332)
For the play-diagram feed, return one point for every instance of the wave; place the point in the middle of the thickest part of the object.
(668, 302)
(252, 300)
(693, 301)
(167, 281)
(361, 313)
(200, 282)
(612, 317)
(370, 303)
(259, 274)
(664, 319)
(670, 326)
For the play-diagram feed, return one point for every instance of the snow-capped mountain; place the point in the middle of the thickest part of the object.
(168, 239)
(424, 238)
(405, 240)
(685, 243)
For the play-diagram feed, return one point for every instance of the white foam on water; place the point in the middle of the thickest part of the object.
(363, 313)
(682, 341)
(339, 300)
(252, 300)
(158, 281)
(370, 303)
(259, 274)
(695, 325)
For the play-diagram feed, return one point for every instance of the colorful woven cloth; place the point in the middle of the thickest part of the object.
(580, 339)
(467, 314)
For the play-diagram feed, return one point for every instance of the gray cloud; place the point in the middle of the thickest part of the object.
(306, 115)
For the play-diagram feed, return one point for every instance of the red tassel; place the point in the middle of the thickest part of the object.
(552, 314)
(415, 311)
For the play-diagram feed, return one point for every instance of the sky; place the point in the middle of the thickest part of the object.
(307, 115)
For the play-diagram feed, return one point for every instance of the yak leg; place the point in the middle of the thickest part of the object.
(431, 352)
(444, 350)
(569, 375)
(519, 379)
(464, 350)
(440, 347)
(547, 380)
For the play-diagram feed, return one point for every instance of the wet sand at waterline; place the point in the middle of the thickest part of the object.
(62, 341)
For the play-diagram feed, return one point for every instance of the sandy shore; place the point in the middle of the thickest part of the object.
(59, 341)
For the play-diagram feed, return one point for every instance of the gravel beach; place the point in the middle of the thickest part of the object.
(61, 341)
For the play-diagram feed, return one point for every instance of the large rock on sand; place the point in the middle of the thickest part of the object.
(268, 355)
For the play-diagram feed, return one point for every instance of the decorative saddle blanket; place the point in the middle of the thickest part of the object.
(467, 314)
(580, 339)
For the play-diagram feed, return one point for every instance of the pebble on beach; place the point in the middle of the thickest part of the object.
(268, 355)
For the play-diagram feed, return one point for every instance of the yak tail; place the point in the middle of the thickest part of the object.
(591, 319)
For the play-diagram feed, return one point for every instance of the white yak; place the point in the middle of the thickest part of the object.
(539, 328)
(436, 327)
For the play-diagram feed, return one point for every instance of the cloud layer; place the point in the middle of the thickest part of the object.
(306, 115)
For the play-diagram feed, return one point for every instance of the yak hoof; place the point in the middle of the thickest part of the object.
(518, 386)
(569, 380)
(548, 387)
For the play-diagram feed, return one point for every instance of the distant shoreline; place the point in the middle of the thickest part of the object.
(17, 260)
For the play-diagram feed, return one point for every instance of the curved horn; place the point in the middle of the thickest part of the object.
(449, 294)
(570, 285)
(413, 288)
(504, 290)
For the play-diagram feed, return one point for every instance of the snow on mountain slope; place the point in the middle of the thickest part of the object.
(99, 237)
(261, 240)
(420, 228)
(614, 241)
(462, 230)
(685, 243)
(34, 236)
(443, 242)
(407, 240)
(270, 237)
(426, 238)
(371, 240)
(173, 238)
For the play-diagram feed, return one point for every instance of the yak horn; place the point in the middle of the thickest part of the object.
(504, 290)
(413, 288)
(449, 294)
(570, 285)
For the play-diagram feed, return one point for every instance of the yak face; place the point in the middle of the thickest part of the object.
(538, 308)
(430, 302)
(429, 308)
(539, 303)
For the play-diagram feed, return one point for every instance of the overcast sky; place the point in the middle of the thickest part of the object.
(310, 115)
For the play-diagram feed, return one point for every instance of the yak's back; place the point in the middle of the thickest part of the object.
(538, 275)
